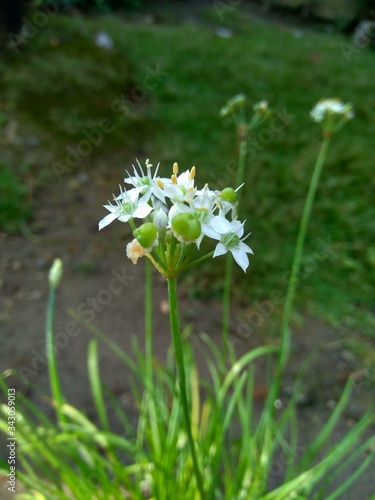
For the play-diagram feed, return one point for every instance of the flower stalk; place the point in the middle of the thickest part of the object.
(55, 275)
(297, 260)
(236, 108)
(332, 115)
(179, 355)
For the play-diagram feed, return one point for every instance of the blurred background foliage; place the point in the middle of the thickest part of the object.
(61, 82)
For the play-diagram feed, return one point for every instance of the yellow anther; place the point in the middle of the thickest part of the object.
(160, 183)
(174, 179)
(175, 168)
(192, 173)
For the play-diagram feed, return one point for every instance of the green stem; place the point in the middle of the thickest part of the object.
(292, 285)
(296, 266)
(197, 261)
(51, 356)
(226, 301)
(148, 318)
(241, 168)
(179, 354)
(229, 258)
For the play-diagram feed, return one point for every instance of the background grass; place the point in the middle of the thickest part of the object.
(61, 83)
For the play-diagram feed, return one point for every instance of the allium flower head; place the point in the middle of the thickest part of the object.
(176, 217)
(332, 114)
(236, 102)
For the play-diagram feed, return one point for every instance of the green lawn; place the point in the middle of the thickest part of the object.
(162, 87)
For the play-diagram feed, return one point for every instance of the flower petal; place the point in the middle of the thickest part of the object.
(220, 250)
(220, 224)
(107, 220)
(142, 211)
(245, 248)
(240, 257)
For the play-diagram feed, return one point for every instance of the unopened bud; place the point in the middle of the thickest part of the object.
(229, 194)
(186, 227)
(55, 272)
(160, 219)
(146, 234)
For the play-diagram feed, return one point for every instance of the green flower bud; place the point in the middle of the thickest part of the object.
(186, 227)
(229, 194)
(55, 272)
(146, 234)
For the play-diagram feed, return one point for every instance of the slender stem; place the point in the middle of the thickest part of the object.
(148, 318)
(292, 285)
(177, 342)
(197, 261)
(241, 168)
(226, 301)
(229, 258)
(51, 356)
(293, 280)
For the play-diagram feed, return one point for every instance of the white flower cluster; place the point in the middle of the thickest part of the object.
(173, 208)
(327, 108)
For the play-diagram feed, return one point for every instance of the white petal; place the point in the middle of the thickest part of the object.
(245, 248)
(240, 257)
(124, 218)
(132, 194)
(237, 227)
(211, 233)
(220, 250)
(111, 208)
(142, 211)
(184, 179)
(107, 220)
(198, 241)
(220, 224)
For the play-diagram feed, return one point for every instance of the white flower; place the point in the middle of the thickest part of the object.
(229, 234)
(205, 203)
(149, 185)
(181, 189)
(127, 207)
(331, 107)
(205, 199)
